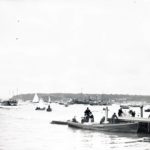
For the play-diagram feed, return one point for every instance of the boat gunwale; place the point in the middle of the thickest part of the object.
(106, 128)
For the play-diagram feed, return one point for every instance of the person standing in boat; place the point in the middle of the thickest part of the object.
(87, 113)
(49, 108)
(120, 112)
(132, 113)
(114, 118)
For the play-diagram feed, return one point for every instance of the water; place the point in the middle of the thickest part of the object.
(23, 128)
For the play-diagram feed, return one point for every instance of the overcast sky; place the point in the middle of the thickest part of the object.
(93, 46)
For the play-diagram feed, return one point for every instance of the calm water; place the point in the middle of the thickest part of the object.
(23, 128)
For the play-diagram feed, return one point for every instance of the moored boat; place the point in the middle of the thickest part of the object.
(59, 122)
(41, 105)
(124, 106)
(147, 110)
(10, 102)
(107, 127)
(38, 108)
(49, 108)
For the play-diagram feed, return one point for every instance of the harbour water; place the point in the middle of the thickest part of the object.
(24, 128)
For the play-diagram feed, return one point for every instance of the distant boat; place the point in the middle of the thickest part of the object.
(10, 102)
(61, 103)
(147, 110)
(124, 106)
(35, 99)
(49, 99)
(59, 122)
(134, 105)
(49, 107)
(40, 105)
(66, 104)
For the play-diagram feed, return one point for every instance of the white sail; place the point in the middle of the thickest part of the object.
(35, 99)
(41, 104)
(49, 99)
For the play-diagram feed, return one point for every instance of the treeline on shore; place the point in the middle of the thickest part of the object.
(56, 97)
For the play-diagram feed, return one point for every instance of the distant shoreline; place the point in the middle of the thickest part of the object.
(83, 97)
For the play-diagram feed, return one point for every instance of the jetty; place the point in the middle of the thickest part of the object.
(134, 119)
(143, 123)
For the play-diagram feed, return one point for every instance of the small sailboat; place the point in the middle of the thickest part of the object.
(49, 99)
(49, 108)
(66, 104)
(41, 105)
(35, 99)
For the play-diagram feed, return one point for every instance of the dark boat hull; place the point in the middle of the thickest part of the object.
(119, 127)
(59, 122)
(37, 108)
(147, 110)
(9, 103)
(124, 106)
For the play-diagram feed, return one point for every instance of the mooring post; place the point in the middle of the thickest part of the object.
(106, 115)
(141, 107)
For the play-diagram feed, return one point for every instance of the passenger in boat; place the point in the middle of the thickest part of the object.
(74, 119)
(49, 108)
(37, 108)
(87, 114)
(120, 112)
(87, 118)
(91, 117)
(102, 120)
(113, 118)
(132, 113)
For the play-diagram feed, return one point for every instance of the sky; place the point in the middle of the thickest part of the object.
(88, 46)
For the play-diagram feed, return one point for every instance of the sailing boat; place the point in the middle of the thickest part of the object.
(40, 105)
(35, 99)
(49, 101)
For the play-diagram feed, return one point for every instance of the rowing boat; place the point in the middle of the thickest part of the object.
(108, 127)
(59, 122)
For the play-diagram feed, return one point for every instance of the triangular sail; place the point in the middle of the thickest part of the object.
(35, 99)
(41, 103)
(49, 99)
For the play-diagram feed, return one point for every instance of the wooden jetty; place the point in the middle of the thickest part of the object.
(134, 119)
(143, 123)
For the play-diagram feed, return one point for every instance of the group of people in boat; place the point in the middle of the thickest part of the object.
(89, 117)
(131, 112)
(48, 108)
